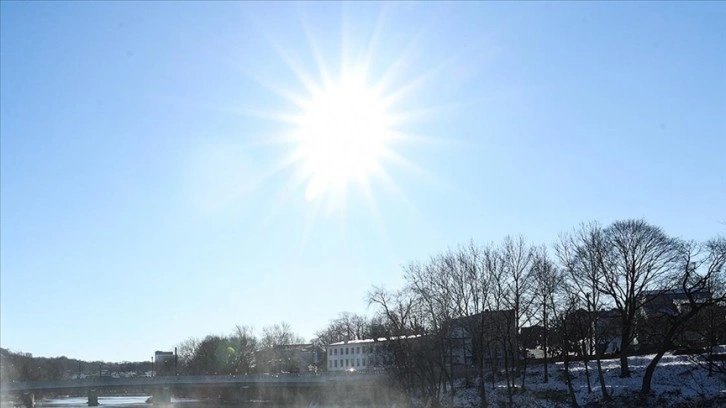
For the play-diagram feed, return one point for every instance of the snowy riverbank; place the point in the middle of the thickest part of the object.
(677, 382)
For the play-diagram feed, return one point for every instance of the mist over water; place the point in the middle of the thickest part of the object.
(69, 402)
(139, 401)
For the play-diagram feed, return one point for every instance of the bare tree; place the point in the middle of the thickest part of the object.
(476, 287)
(279, 334)
(246, 342)
(397, 310)
(710, 324)
(548, 279)
(517, 257)
(700, 288)
(274, 356)
(569, 305)
(347, 326)
(636, 257)
(186, 350)
(504, 298)
(579, 254)
(438, 286)
(410, 355)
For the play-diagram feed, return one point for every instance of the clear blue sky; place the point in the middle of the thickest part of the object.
(143, 197)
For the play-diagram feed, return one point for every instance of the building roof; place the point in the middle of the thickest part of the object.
(380, 339)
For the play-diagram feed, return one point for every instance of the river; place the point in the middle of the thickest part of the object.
(140, 402)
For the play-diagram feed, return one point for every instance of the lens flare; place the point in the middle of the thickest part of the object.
(345, 128)
(341, 137)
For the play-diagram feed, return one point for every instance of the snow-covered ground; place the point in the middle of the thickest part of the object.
(677, 382)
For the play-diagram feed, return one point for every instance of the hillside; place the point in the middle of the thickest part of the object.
(678, 382)
(16, 366)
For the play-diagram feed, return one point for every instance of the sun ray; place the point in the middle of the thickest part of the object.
(317, 55)
(375, 210)
(419, 139)
(374, 37)
(390, 184)
(411, 86)
(394, 70)
(421, 80)
(308, 83)
(343, 128)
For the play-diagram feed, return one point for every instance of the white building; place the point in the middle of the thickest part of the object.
(352, 355)
(368, 354)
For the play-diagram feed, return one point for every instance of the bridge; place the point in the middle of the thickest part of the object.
(240, 389)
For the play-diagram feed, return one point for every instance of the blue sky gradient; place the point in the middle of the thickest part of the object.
(139, 205)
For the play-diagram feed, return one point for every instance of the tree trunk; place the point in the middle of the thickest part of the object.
(601, 377)
(570, 388)
(524, 370)
(482, 388)
(624, 345)
(587, 374)
(648, 376)
(664, 346)
(546, 366)
(494, 368)
(507, 375)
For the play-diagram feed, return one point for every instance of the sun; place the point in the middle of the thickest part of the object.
(349, 117)
(342, 135)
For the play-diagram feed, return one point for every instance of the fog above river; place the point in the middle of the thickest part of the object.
(139, 401)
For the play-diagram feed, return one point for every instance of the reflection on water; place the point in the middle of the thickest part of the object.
(139, 401)
(71, 402)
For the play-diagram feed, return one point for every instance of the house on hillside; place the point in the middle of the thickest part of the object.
(591, 329)
(660, 308)
(488, 337)
(658, 303)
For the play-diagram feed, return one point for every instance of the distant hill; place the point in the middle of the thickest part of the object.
(19, 366)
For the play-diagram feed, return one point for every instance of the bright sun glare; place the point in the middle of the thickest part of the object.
(342, 135)
(343, 128)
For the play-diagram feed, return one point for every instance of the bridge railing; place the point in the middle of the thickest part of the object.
(199, 380)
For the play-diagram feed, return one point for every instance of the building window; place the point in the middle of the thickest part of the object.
(346, 362)
(346, 350)
(335, 351)
(336, 363)
(357, 349)
(357, 362)
(364, 362)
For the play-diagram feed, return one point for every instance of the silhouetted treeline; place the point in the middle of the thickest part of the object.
(596, 290)
(18, 366)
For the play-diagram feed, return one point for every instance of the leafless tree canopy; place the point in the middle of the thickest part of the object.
(636, 258)
(347, 326)
(593, 291)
